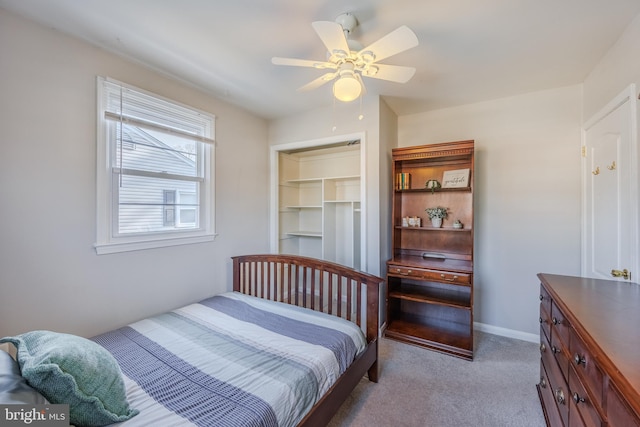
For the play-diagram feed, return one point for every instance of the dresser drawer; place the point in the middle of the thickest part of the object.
(548, 399)
(560, 325)
(582, 410)
(545, 300)
(618, 412)
(431, 275)
(545, 321)
(559, 351)
(586, 368)
(556, 380)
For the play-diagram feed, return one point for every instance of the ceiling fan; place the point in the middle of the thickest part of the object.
(348, 61)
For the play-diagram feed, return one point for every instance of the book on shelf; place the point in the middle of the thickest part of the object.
(403, 181)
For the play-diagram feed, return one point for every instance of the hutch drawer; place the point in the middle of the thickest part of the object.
(430, 275)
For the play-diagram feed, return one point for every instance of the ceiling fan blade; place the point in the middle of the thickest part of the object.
(332, 36)
(325, 78)
(302, 63)
(394, 73)
(397, 41)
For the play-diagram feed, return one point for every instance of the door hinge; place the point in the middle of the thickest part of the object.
(584, 151)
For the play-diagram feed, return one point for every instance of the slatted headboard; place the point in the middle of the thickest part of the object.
(311, 283)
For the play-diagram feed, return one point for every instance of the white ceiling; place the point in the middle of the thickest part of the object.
(470, 50)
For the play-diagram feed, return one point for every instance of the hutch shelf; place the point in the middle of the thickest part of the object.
(430, 276)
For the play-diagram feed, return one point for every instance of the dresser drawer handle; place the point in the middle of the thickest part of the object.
(560, 396)
(556, 321)
(580, 360)
(554, 349)
(543, 348)
(543, 382)
(541, 298)
(449, 279)
(403, 273)
(577, 398)
(540, 319)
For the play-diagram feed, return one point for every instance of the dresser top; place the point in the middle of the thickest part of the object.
(606, 314)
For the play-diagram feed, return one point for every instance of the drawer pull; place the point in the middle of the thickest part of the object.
(579, 360)
(577, 398)
(403, 273)
(543, 382)
(554, 349)
(541, 298)
(556, 321)
(560, 396)
(543, 348)
(449, 279)
(540, 319)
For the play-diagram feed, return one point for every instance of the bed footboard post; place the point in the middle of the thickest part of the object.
(373, 313)
(236, 274)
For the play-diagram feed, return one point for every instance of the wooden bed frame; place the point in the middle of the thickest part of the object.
(320, 286)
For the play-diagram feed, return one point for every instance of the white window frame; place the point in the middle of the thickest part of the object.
(107, 239)
(180, 208)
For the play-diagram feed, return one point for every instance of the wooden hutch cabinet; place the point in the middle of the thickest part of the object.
(430, 277)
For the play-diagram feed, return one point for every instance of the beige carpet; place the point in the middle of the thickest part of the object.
(419, 387)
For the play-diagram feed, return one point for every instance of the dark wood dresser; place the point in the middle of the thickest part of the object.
(590, 351)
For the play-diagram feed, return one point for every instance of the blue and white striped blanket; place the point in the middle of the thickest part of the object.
(231, 360)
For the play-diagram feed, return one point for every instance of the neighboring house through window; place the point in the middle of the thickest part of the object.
(155, 171)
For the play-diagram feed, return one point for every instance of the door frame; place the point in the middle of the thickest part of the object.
(274, 168)
(628, 95)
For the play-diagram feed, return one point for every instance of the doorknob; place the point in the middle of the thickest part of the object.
(625, 274)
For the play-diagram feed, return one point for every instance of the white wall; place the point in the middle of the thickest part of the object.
(527, 194)
(619, 68)
(388, 140)
(50, 275)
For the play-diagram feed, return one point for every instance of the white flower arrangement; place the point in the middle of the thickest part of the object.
(437, 212)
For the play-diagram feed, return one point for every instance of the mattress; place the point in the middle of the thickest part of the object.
(231, 360)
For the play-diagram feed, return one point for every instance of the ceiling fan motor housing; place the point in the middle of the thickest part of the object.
(347, 21)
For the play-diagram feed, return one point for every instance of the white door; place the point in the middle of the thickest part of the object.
(610, 185)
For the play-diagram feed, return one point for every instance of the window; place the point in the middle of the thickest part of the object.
(155, 171)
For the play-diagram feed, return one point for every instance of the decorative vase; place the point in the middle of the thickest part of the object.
(436, 222)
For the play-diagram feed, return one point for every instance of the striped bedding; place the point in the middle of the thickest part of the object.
(231, 360)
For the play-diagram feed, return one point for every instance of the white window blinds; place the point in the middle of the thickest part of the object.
(153, 147)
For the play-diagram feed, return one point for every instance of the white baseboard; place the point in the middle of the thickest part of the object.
(509, 333)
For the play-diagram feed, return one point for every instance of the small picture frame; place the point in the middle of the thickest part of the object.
(458, 178)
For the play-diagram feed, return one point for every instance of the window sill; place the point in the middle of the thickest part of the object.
(110, 248)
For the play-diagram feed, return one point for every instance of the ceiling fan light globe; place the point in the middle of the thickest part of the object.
(347, 88)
